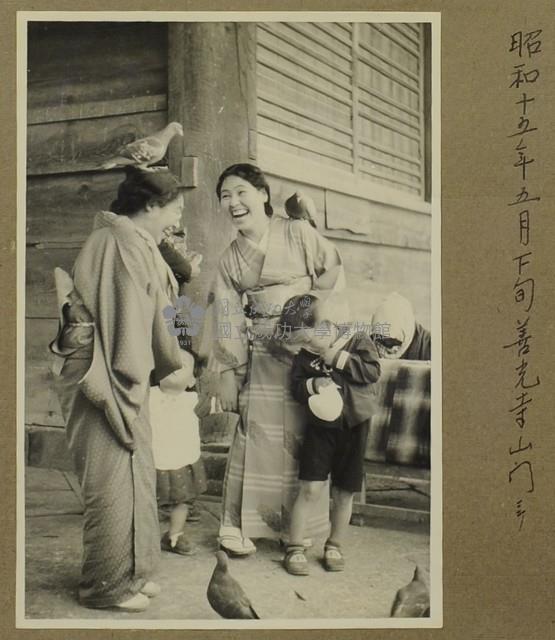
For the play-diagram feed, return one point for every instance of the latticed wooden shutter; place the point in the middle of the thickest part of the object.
(346, 97)
(304, 91)
(389, 82)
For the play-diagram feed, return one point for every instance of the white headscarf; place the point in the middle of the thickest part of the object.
(394, 318)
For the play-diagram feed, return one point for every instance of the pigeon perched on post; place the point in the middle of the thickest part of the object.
(301, 207)
(412, 600)
(225, 594)
(145, 151)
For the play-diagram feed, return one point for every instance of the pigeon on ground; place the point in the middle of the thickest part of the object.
(225, 594)
(412, 600)
(301, 207)
(145, 151)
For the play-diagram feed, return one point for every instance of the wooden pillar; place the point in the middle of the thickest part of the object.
(211, 91)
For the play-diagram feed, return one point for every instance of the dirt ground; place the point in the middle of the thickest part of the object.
(378, 562)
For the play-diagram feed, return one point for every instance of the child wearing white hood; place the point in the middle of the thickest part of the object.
(396, 332)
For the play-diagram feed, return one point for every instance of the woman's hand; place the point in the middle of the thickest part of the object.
(228, 391)
(321, 382)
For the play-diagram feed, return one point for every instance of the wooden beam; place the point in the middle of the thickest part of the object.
(211, 91)
(61, 209)
(82, 145)
(96, 109)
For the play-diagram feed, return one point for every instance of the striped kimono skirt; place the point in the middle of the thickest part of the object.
(121, 534)
(261, 481)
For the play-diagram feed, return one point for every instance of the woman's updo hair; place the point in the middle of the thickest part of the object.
(250, 173)
(145, 188)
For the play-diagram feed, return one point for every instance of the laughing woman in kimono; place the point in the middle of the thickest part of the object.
(272, 259)
(112, 339)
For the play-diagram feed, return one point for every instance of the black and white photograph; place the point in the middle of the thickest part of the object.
(229, 326)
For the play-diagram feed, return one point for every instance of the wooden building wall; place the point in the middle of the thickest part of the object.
(343, 114)
(242, 92)
(89, 90)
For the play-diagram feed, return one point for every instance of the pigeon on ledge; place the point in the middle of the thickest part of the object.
(412, 600)
(301, 207)
(145, 151)
(225, 594)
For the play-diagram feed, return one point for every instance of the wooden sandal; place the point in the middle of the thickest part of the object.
(295, 561)
(333, 558)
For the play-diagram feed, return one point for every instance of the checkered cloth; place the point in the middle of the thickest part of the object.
(400, 428)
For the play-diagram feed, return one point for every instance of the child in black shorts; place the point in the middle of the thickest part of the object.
(332, 376)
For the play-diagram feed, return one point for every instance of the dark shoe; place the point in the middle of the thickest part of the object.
(295, 561)
(333, 558)
(182, 546)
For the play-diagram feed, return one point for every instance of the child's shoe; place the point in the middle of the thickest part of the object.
(333, 558)
(295, 561)
(177, 543)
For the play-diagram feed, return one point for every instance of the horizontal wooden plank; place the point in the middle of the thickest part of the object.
(381, 63)
(368, 172)
(71, 63)
(388, 100)
(97, 109)
(338, 34)
(403, 129)
(277, 57)
(314, 170)
(315, 36)
(300, 145)
(304, 124)
(389, 174)
(388, 34)
(265, 100)
(277, 37)
(389, 50)
(291, 72)
(413, 28)
(81, 145)
(373, 271)
(345, 26)
(390, 151)
(270, 87)
(369, 512)
(385, 70)
(40, 291)
(401, 29)
(399, 473)
(383, 223)
(388, 164)
(41, 403)
(61, 208)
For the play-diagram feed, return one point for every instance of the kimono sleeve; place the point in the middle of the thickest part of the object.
(301, 383)
(224, 341)
(132, 325)
(360, 364)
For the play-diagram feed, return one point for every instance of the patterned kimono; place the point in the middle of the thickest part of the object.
(122, 284)
(261, 476)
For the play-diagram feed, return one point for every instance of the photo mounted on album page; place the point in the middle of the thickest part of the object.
(230, 369)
